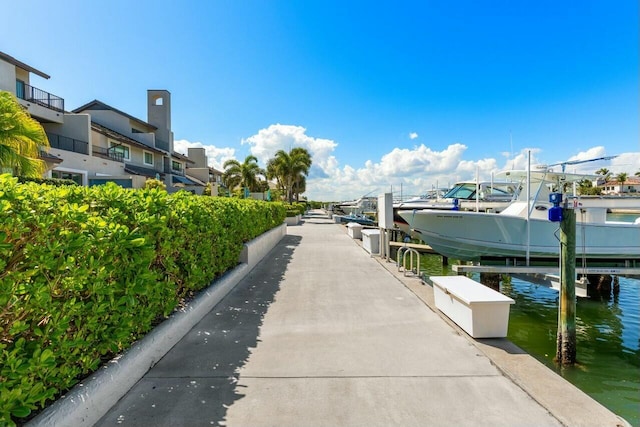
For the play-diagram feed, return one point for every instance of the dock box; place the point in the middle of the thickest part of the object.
(371, 240)
(476, 308)
(355, 230)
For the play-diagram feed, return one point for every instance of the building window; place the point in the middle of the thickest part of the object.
(20, 89)
(77, 177)
(176, 166)
(121, 149)
(148, 158)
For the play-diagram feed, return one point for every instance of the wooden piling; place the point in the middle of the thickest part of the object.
(491, 280)
(566, 337)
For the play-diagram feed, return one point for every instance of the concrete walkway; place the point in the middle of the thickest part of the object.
(321, 334)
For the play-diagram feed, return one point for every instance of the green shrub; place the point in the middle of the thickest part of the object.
(84, 272)
(51, 181)
(154, 183)
(296, 209)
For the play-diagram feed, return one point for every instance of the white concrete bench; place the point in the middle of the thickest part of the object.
(371, 240)
(355, 230)
(476, 308)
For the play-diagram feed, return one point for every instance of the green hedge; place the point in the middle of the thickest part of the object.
(87, 271)
(296, 209)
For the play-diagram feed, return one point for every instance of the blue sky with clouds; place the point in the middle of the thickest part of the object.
(381, 93)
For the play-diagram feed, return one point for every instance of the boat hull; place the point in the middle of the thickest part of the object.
(473, 236)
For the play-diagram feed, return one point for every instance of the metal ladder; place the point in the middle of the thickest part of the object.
(401, 261)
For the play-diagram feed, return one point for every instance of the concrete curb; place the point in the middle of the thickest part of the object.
(88, 401)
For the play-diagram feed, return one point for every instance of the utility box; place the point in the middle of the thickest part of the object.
(385, 211)
(371, 240)
(354, 230)
(476, 308)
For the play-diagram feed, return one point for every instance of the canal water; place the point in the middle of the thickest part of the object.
(607, 330)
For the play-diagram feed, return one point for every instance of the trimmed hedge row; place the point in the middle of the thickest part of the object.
(294, 209)
(84, 272)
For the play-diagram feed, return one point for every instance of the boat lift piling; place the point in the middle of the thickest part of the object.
(566, 335)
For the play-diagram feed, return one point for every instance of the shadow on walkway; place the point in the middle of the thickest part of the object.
(202, 370)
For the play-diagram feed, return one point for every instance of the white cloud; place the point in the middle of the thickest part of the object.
(215, 156)
(413, 170)
(267, 142)
(624, 162)
(413, 135)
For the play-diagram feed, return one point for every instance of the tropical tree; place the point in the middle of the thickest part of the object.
(22, 139)
(622, 178)
(274, 174)
(606, 173)
(244, 174)
(299, 187)
(586, 188)
(289, 169)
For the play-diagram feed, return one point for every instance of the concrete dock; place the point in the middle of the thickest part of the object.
(322, 334)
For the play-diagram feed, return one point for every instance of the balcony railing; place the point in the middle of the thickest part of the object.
(171, 168)
(176, 171)
(107, 153)
(68, 144)
(39, 96)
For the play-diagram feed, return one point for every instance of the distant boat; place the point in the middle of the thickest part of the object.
(482, 196)
(359, 206)
(357, 218)
(523, 228)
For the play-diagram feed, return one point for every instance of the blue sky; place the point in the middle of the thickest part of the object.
(382, 94)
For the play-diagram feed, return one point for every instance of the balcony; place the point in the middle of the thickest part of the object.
(68, 144)
(176, 171)
(173, 168)
(107, 153)
(39, 96)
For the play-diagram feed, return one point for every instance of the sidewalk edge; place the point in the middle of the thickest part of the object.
(89, 400)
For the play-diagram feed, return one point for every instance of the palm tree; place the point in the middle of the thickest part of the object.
(244, 174)
(299, 186)
(21, 139)
(289, 168)
(606, 173)
(273, 173)
(622, 178)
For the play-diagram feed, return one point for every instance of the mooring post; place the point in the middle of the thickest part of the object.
(566, 350)
(491, 280)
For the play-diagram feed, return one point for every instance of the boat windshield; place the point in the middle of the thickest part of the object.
(468, 191)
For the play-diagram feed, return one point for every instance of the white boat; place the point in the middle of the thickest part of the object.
(523, 229)
(359, 206)
(465, 195)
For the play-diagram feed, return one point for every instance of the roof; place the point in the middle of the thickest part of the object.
(196, 180)
(182, 157)
(140, 170)
(50, 157)
(99, 105)
(631, 180)
(19, 64)
(183, 180)
(122, 138)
